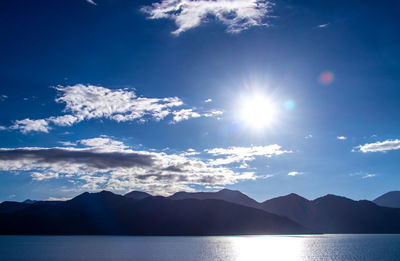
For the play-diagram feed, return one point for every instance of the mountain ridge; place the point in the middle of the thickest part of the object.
(326, 214)
(105, 213)
(233, 196)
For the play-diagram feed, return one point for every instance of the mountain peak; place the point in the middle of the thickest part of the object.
(290, 197)
(295, 196)
(105, 192)
(102, 194)
(330, 197)
(138, 195)
(29, 201)
(227, 190)
(233, 196)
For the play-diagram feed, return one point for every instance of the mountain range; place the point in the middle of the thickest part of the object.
(226, 212)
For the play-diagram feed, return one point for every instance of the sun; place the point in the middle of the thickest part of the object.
(257, 112)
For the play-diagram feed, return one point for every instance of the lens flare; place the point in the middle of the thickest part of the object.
(289, 105)
(326, 77)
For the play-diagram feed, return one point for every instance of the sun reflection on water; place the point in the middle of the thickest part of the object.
(268, 248)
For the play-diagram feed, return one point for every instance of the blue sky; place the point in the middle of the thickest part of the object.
(265, 97)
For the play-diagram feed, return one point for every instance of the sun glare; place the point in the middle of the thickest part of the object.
(258, 112)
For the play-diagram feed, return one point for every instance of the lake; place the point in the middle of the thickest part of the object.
(224, 248)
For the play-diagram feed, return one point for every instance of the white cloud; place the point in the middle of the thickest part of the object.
(105, 163)
(3, 97)
(244, 154)
(309, 136)
(362, 174)
(28, 125)
(104, 143)
(367, 176)
(91, 102)
(244, 165)
(57, 199)
(237, 15)
(91, 2)
(208, 100)
(65, 120)
(212, 113)
(2, 128)
(184, 114)
(214, 188)
(323, 25)
(190, 152)
(380, 146)
(294, 173)
(42, 176)
(341, 137)
(67, 143)
(85, 102)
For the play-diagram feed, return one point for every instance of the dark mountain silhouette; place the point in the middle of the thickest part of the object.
(138, 195)
(12, 206)
(390, 199)
(329, 214)
(29, 201)
(202, 213)
(292, 206)
(233, 196)
(335, 214)
(108, 213)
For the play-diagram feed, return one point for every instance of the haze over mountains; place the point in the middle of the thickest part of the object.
(390, 199)
(225, 212)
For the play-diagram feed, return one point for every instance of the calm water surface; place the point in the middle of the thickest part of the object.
(224, 248)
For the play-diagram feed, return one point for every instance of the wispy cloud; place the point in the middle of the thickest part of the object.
(58, 199)
(380, 146)
(244, 154)
(212, 113)
(309, 136)
(367, 176)
(184, 114)
(67, 143)
(341, 137)
(237, 15)
(43, 176)
(294, 173)
(362, 174)
(208, 100)
(86, 102)
(91, 2)
(323, 25)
